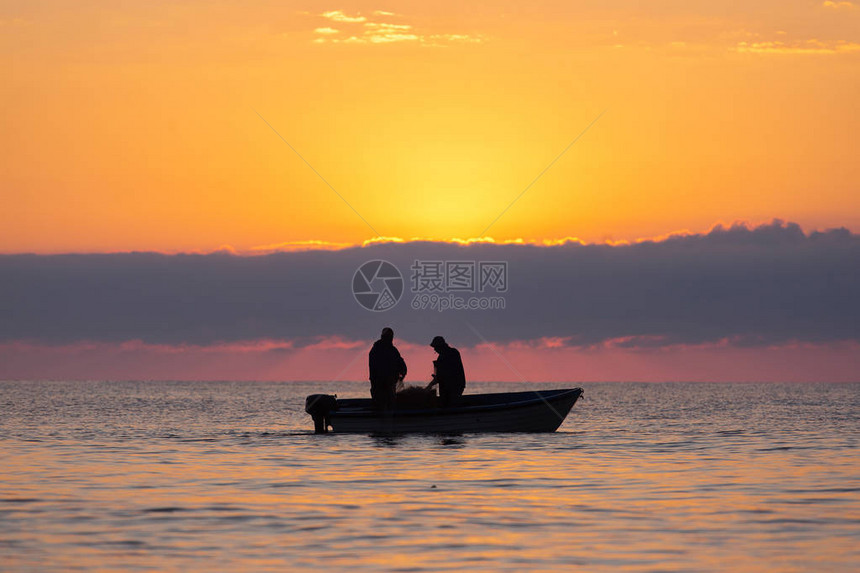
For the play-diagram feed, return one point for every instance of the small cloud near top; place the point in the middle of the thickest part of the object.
(340, 16)
(838, 5)
(359, 29)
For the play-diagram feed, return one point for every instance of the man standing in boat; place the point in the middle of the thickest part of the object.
(387, 368)
(448, 373)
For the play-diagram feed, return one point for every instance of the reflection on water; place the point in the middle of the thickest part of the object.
(452, 440)
(386, 440)
(220, 476)
(394, 440)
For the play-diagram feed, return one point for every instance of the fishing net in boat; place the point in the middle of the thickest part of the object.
(416, 397)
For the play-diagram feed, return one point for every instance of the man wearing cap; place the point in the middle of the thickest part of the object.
(448, 372)
(387, 368)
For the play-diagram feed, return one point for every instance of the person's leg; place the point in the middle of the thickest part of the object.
(448, 398)
(391, 396)
(379, 395)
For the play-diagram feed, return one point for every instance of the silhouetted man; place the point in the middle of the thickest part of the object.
(387, 368)
(448, 373)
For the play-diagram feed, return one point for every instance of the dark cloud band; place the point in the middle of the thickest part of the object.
(766, 285)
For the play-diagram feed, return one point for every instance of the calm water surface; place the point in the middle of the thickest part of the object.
(158, 476)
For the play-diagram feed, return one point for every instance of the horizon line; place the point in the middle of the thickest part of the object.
(307, 245)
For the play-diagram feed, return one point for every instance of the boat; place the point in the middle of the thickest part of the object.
(531, 411)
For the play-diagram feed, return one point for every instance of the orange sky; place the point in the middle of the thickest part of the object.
(135, 126)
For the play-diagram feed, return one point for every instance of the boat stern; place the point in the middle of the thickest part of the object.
(319, 406)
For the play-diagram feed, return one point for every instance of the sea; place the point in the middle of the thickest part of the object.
(229, 476)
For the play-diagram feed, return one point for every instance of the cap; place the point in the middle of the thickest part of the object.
(438, 341)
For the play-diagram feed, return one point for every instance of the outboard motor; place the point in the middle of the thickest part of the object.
(319, 406)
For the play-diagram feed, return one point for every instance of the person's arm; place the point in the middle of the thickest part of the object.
(438, 372)
(401, 368)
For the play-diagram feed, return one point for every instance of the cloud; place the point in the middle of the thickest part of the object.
(447, 39)
(837, 5)
(391, 37)
(340, 16)
(808, 47)
(362, 30)
(387, 27)
(308, 245)
(740, 286)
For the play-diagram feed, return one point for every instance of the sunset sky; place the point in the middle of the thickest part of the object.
(166, 126)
